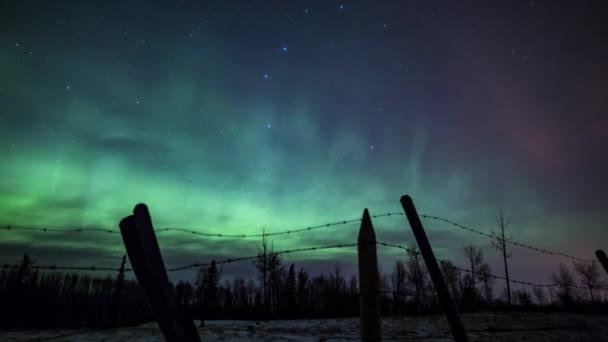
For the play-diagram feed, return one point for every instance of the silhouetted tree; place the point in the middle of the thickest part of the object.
(475, 258)
(211, 281)
(119, 285)
(290, 292)
(398, 278)
(303, 289)
(184, 293)
(539, 294)
(416, 275)
(523, 297)
(262, 264)
(30, 299)
(565, 280)
(501, 245)
(589, 275)
(484, 274)
(276, 274)
(199, 285)
(452, 279)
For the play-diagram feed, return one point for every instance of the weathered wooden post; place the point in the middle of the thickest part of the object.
(431, 263)
(601, 256)
(369, 285)
(147, 262)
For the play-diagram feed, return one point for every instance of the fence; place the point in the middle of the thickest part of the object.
(142, 247)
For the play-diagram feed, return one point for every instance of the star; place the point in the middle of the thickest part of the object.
(284, 49)
(341, 7)
(269, 125)
(266, 76)
(67, 87)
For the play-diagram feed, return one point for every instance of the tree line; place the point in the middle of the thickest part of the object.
(33, 299)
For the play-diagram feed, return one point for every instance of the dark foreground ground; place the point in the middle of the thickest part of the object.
(480, 327)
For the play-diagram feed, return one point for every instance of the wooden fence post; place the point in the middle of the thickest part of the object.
(431, 263)
(147, 262)
(601, 256)
(369, 288)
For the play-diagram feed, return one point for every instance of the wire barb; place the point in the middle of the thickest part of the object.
(507, 241)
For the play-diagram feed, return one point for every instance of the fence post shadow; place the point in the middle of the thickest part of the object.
(431, 263)
(147, 262)
(369, 285)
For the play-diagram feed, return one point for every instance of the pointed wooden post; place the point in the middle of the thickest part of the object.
(368, 281)
(142, 247)
(601, 256)
(431, 264)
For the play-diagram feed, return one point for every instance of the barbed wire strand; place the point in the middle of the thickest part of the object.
(537, 249)
(519, 281)
(185, 267)
(287, 251)
(195, 232)
(299, 230)
(492, 275)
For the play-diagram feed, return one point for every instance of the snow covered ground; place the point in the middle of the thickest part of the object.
(480, 327)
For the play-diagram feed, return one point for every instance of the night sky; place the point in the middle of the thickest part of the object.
(237, 116)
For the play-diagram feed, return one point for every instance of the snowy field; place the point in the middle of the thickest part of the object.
(479, 326)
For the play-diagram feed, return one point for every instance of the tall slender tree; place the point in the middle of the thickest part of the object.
(398, 280)
(416, 274)
(475, 258)
(290, 292)
(303, 289)
(484, 274)
(501, 245)
(262, 264)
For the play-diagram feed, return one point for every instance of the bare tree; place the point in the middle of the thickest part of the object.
(475, 258)
(398, 280)
(589, 275)
(539, 294)
(501, 245)
(416, 273)
(484, 274)
(452, 279)
(262, 263)
(565, 280)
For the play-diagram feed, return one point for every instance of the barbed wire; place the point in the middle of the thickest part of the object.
(195, 232)
(407, 249)
(287, 251)
(194, 265)
(299, 230)
(61, 230)
(537, 249)
(185, 267)
(253, 257)
(443, 262)
(518, 281)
